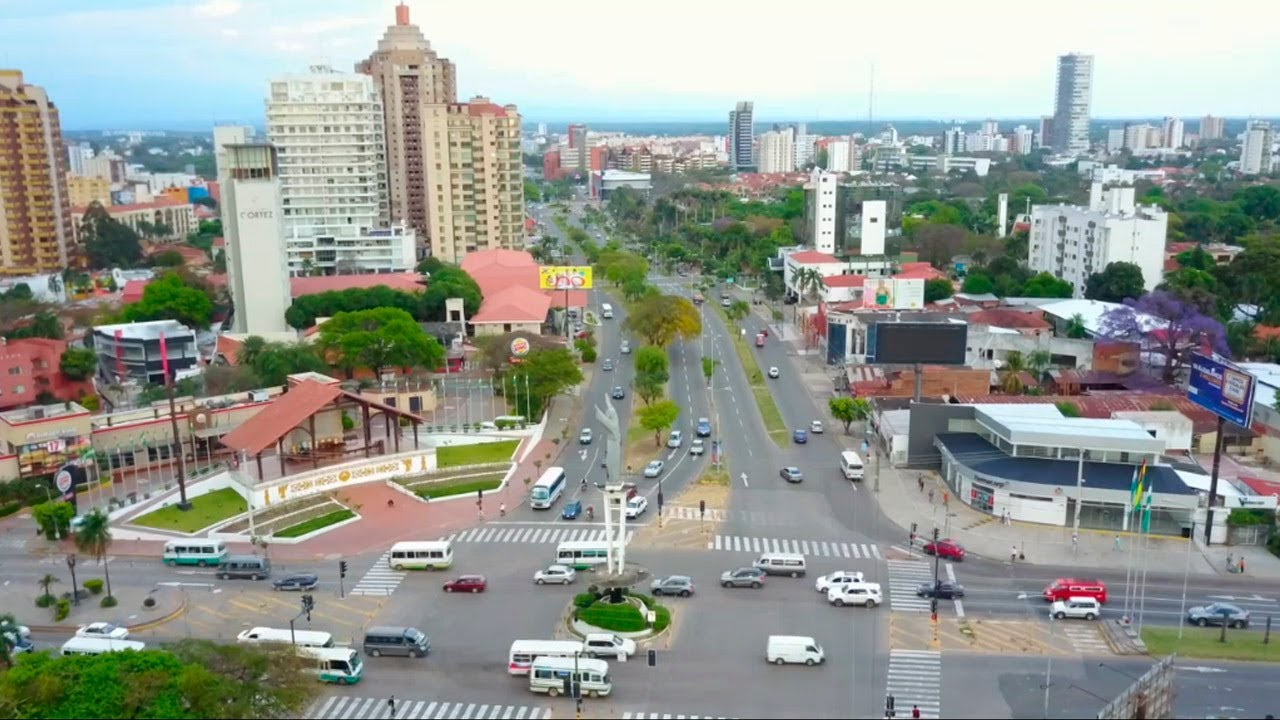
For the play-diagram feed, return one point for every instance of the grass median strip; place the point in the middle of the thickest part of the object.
(461, 486)
(476, 454)
(1204, 643)
(315, 523)
(205, 510)
(769, 413)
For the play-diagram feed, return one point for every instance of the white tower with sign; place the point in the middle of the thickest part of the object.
(615, 494)
(257, 270)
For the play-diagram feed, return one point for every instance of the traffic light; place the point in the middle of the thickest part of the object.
(568, 686)
(653, 658)
(935, 534)
(342, 568)
(889, 710)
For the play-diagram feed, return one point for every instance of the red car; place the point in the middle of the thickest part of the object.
(949, 549)
(467, 583)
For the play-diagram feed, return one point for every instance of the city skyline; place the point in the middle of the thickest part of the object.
(233, 46)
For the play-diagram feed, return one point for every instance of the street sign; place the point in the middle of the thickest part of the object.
(1222, 388)
(63, 481)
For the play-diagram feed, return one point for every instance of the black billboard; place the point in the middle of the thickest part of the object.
(908, 343)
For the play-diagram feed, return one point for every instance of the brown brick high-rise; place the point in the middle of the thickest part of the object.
(35, 212)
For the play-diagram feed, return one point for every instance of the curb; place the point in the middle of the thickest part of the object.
(131, 628)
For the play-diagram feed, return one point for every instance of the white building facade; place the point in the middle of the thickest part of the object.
(257, 271)
(839, 157)
(1073, 94)
(825, 210)
(777, 151)
(1174, 131)
(1072, 242)
(1255, 148)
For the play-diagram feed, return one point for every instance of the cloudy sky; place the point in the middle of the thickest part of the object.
(190, 63)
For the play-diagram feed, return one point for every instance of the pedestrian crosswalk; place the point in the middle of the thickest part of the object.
(362, 708)
(531, 535)
(668, 716)
(13, 542)
(905, 576)
(810, 548)
(380, 580)
(685, 512)
(1085, 638)
(915, 681)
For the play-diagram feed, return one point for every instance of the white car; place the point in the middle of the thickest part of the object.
(1085, 608)
(562, 574)
(836, 579)
(815, 427)
(773, 371)
(864, 594)
(654, 468)
(608, 645)
(675, 439)
(636, 505)
(697, 447)
(102, 630)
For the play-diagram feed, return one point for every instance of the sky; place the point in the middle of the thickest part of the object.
(187, 64)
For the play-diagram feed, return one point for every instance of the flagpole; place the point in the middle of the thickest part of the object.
(1146, 528)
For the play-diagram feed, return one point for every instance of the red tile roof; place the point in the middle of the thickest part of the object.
(812, 257)
(406, 281)
(475, 261)
(833, 281)
(477, 109)
(227, 348)
(1261, 486)
(133, 291)
(921, 270)
(577, 298)
(1005, 318)
(160, 202)
(515, 304)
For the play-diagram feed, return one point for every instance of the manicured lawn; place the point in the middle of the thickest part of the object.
(769, 413)
(1203, 643)
(461, 486)
(477, 454)
(714, 477)
(205, 510)
(315, 523)
(623, 617)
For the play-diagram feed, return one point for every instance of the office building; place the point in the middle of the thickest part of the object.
(954, 141)
(1022, 140)
(1210, 128)
(409, 76)
(1072, 242)
(575, 157)
(777, 151)
(257, 269)
(77, 154)
(35, 213)
(327, 128)
(1115, 140)
(1141, 136)
(804, 146)
(1255, 150)
(1073, 92)
(741, 130)
(848, 218)
(1044, 138)
(477, 194)
(839, 157)
(83, 191)
(130, 352)
(1173, 133)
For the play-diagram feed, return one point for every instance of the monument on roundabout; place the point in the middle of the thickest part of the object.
(618, 573)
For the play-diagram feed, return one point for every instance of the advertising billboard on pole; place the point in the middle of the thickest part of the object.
(1222, 388)
(564, 277)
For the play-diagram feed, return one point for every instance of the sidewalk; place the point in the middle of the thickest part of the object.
(129, 612)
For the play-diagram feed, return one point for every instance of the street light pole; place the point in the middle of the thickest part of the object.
(75, 593)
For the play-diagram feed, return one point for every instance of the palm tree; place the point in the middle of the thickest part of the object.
(1039, 361)
(737, 310)
(250, 349)
(1014, 364)
(47, 581)
(94, 539)
(1076, 328)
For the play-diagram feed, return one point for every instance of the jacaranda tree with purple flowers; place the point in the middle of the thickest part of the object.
(1165, 325)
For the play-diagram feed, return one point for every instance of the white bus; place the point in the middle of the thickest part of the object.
(582, 554)
(851, 465)
(524, 652)
(336, 665)
(284, 636)
(195, 552)
(606, 311)
(548, 675)
(431, 555)
(98, 646)
(547, 489)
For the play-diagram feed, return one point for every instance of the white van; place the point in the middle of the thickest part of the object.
(794, 649)
(606, 311)
(851, 465)
(284, 636)
(781, 563)
(98, 646)
(547, 675)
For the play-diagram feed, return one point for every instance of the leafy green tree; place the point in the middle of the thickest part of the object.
(42, 324)
(1068, 409)
(937, 289)
(167, 258)
(1116, 282)
(1015, 363)
(708, 369)
(1195, 259)
(450, 282)
(661, 319)
(303, 312)
(9, 636)
(77, 363)
(976, 284)
(849, 410)
(275, 362)
(1196, 287)
(658, 417)
(651, 374)
(53, 518)
(1075, 328)
(171, 298)
(93, 538)
(1044, 285)
(250, 348)
(430, 265)
(737, 310)
(545, 373)
(1260, 202)
(107, 242)
(531, 192)
(378, 339)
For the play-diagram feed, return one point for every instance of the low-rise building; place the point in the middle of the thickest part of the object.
(604, 182)
(131, 352)
(172, 219)
(39, 440)
(83, 190)
(30, 368)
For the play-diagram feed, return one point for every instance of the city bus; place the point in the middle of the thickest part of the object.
(97, 646)
(582, 554)
(195, 552)
(336, 665)
(523, 653)
(606, 311)
(547, 489)
(548, 675)
(430, 555)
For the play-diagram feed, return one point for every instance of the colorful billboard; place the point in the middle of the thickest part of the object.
(564, 277)
(1222, 388)
(893, 293)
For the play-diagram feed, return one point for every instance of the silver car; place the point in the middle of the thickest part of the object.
(654, 469)
(743, 577)
(681, 585)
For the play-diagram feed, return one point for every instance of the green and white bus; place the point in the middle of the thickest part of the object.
(432, 555)
(205, 553)
(339, 665)
(582, 554)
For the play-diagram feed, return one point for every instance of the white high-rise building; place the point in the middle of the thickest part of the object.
(1141, 136)
(1072, 242)
(1210, 128)
(825, 211)
(1023, 140)
(327, 128)
(1115, 140)
(953, 141)
(839, 157)
(990, 127)
(1173, 132)
(257, 271)
(542, 129)
(1255, 148)
(224, 135)
(77, 154)
(1073, 93)
(804, 146)
(777, 151)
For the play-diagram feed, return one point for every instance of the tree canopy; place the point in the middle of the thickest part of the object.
(171, 298)
(77, 363)
(1168, 326)
(661, 319)
(658, 417)
(936, 289)
(447, 282)
(303, 312)
(378, 339)
(545, 373)
(108, 243)
(273, 362)
(652, 372)
(1117, 282)
(1044, 285)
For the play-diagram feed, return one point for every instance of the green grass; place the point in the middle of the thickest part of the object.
(623, 617)
(1203, 643)
(461, 486)
(205, 510)
(315, 523)
(477, 454)
(769, 413)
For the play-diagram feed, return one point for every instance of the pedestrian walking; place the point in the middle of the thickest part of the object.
(1231, 562)
(1117, 543)
(920, 482)
(945, 497)
(1241, 564)
(930, 496)
(1013, 554)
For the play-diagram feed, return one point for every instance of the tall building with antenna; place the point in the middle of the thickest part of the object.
(740, 136)
(1073, 93)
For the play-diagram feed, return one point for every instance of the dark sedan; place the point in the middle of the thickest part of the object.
(942, 591)
(301, 581)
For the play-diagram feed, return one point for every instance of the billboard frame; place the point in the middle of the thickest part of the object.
(1222, 388)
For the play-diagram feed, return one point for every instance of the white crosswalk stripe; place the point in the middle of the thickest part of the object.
(530, 536)
(915, 679)
(13, 542)
(668, 716)
(811, 548)
(685, 512)
(1084, 638)
(364, 708)
(904, 577)
(380, 580)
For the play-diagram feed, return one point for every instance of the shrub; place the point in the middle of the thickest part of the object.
(582, 601)
(618, 618)
(1243, 516)
(347, 422)
(661, 618)
(10, 508)
(589, 354)
(94, 586)
(61, 610)
(108, 602)
(45, 601)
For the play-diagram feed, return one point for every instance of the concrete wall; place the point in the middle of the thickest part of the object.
(981, 339)
(927, 420)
